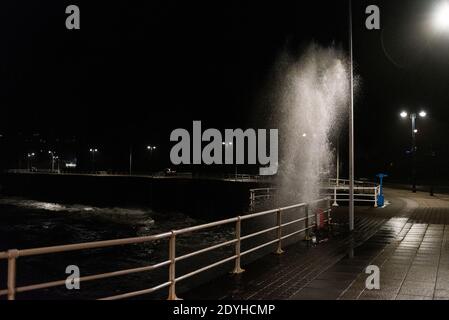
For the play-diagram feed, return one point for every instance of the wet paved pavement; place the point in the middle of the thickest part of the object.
(408, 240)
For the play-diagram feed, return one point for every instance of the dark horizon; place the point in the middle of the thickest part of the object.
(135, 72)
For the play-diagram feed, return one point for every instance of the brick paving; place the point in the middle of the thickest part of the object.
(408, 240)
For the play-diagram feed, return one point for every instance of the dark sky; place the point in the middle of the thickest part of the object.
(138, 69)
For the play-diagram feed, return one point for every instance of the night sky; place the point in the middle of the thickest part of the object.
(137, 70)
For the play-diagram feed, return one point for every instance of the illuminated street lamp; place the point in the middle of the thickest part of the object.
(151, 148)
(413, 117)
(52, 157)
(30, 157)
(93, 151)
(226, 145)
(441, 16)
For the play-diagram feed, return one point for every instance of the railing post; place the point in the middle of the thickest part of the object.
(12, 258)
(375, 197)
(238, 234)
(279, 232)
(335, 204)
(329, 209)
(252, 199)
(306, 222)
(172, 267)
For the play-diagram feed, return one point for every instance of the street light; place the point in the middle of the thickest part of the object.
(441, 16)
(151, 148)
(351, 125)
(52, 155)
(93, 151)
(226, 145)
(30, 159)
(413, 117)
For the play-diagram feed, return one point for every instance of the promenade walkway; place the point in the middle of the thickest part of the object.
(408, 240)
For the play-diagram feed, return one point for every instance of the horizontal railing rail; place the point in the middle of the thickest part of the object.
(310, 220)
(345, 182)
(361, 194)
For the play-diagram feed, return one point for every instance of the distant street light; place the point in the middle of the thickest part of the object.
(93, 151)
(413, 117)
(151, 148)
(52, 155)
(30, 157)
(226, 145)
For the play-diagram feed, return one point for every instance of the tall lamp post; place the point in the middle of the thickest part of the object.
(52, 155)
(130, 159)
(93, 152)
(351, 127)
(413, 117)
(30, 160)
(150, 149)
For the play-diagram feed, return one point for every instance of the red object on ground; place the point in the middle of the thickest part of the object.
(320, 219)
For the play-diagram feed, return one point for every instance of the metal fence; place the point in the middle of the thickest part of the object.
(338, 190)
(364, 191)
(259, 194)
(309, 221)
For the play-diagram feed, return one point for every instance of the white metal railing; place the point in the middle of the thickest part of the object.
(361, 194)
(258, 194)
(310, 220)
(338, 190)
(246, 177)
(345, 182)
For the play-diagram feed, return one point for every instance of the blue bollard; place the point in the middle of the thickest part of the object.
(380, 196)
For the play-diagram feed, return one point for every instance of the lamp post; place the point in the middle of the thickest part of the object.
(150, 149)
(52, 155)
(93, 152)
(30, 160)
(351, 127)
(130, 159)
(229, 145)
(413, 116)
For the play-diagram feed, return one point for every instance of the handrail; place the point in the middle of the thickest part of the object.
(368, 192)
(14, 254)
